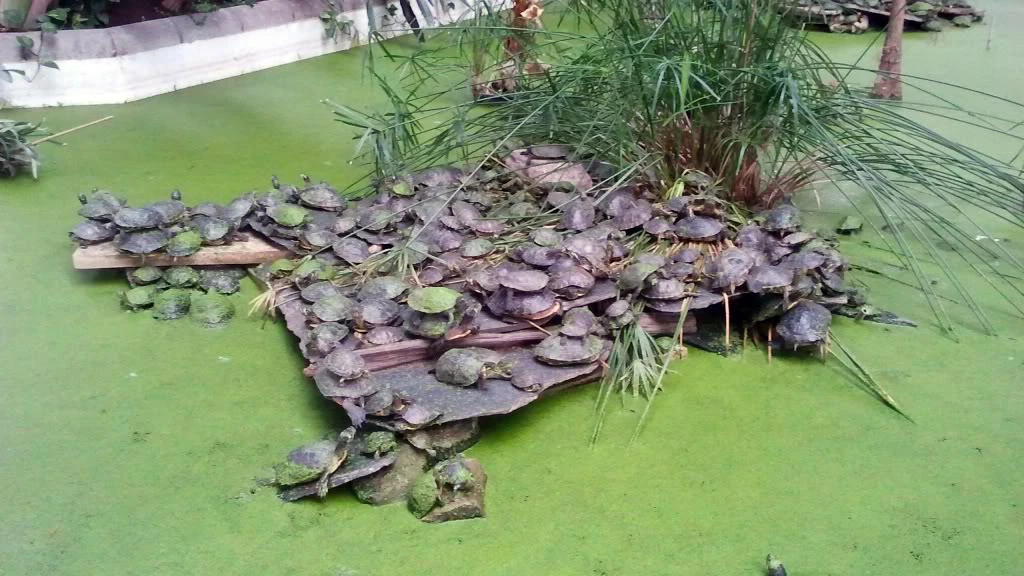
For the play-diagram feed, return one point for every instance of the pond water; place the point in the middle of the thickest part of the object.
(128, 446)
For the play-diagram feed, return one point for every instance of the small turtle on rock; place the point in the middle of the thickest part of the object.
(170, 211)
(137, 218)
(181, 276)
(337, 458)
(220, 281)
(321, 196)
(325, 337)
(578, 322)
(699, 228)
(139, 297)
(144, 275)
(773, 567)
(805, 324)
(468, 366)
(91, 232)
(345, 364)
(784, 218)
(559, 350)
(142, 242)
(384, 335)
(378, 443)
(184, 243)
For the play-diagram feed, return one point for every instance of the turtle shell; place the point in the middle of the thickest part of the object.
(98, 209)
(634, 216)
(432, 300)
(343, 224)
(730, 267)
(559, 350)
(378, 311)
(431, 275)
(374, 219)
(142, 242)
(144, 275)
(465, 213)
(139, 297)
(287, 215)
(211, 309)
(698, 228)
(588, 250)
(332, 308)
(170, 211)
(525, 281)
(318, 290)
(181, 276)
(171, 304)
(459, 367)
(572, 282)
(665, 289)
(782, 218)
(137, 218)
(351, 250)
(578, 322)
(617, 309)
(209, 209)
(476, 248)
(540, 256)
(545, 237)
(635, 276)
(803, 261)
(212, 230)
(521, 304)
(488, 227)
(704, 299)
(442, 239)
(220, 281)
(438, 176)
(384, 335)
(617, 202)
(91, 232)
(345, 364)
(389, 287)
(850, 225)
(766, 278)
(549, 151)
(184, 243)
(676, 270)
(578, 215)
(687, 255)
(325, 337)
(804, 324)
(750, 237)
(657, 227)
(237, 209)
(322, 196)
(426, 325)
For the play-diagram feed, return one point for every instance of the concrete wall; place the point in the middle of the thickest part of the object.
(126, 63)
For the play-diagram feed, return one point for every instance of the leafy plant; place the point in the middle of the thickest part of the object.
(16, 150)
(335, 22)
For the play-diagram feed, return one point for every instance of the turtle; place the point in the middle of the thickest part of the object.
(144, 275)
(101, 205)
(281, 267)
(380, 442)
(750, 237)
(428, 325)
(767, 278)
(619, 314)
(288, 215)
(324, 337)
(468, 366)
(528, 305)
(438, 176)
(315, 237)
(220, 281)
(139, 297)
(236, 210)
(402, 186)
(137, 218)
(333, 308)
(337, 458)
(390, 287)
(181, 277)
(210, 209)
(171, 304)
(805, 324)
(797, 238)
(578, 322)
(384, 335)
(773, 567)
(545, 237)
(184, 243)
(850, 225)
(578, 215)
(142, 242)
(451, 476)
(311, 270)
(342, 225)
(559, 350)
(91, 232)
(476, 248)
(783, 218)
(345, 364)
(676, 270)
(351, 250)
(318, 290)
(525, 281)
(698, 228)
(211, 309)
(433, 300)
(488, 226)
(212, 230)
(572, 282)
(634, 216)
(540, 256)
(171, 211)
(658, 227)
(637, 275)
(731, 268)
(374, 218)
(375, 312)
(442, 239)
(665, 289)
(322, 197)
(687, 255)
(465, 213)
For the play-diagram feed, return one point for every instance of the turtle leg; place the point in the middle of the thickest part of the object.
(770, 344)
(725, 303)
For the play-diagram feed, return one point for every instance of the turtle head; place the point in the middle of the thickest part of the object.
(82, 198)
(772, 563)
(305, 178)
(275, 182)
(347, 435)
(176, 194)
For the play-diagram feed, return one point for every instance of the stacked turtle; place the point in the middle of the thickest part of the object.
(851, 16)
(180, 291)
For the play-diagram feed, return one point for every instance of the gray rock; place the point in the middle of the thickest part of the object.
(393, 483)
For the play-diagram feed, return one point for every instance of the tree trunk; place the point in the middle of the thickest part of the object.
(887, 83)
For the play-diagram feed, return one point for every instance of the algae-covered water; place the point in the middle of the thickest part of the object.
(128, 446)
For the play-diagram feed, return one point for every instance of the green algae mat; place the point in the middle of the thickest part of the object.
(129, 446)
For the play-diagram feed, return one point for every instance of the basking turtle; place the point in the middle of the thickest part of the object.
(525, 280)
(619, 313)
(171, 304)
(139, 297)
(578, 215)
(699, 228)
(345, 364)
(234, 211)
(528, 305)
(782, 218)
(384, 335)
(184, 243)
(731, 268)
(322, 197)
(468, 366)
(540, 256)
(433, 300)
(318, 290)
(428, 325)
(287, 215)
(578, 322)
(773, 567)
(637, 275)
(375, 312)
(658, 227)
(343, 225)
(545, 237)
(220, 281)
(665, 289)
(351, 250)
(142, 242)
(211, 230)
(91, 232)
(137, 218)
(438, 176)
(378, 443)
(171, 211)
(144, 275)
(316, 238)
(750, 237)
(211, 308)
(333, 308)
(634, 216)
(797, 238)
(452, 476)
(374, 218)
(101, 205)
(181, 276)
(390, 287)
(805, 324)
(558, 350)
(325, 337)
(335, 461)
(476, 248)
(572, 282)
(209, 209)
(769, 278)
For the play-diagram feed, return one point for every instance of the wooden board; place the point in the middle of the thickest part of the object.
(249, 250)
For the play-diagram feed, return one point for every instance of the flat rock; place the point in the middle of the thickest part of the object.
(392, 483)
(355, 466)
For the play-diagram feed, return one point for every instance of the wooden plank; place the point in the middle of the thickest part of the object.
(865, 10)
(250, 249)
